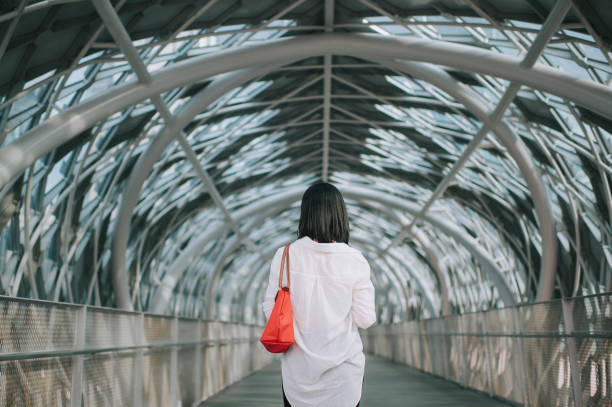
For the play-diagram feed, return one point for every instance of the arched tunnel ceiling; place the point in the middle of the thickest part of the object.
(198, 241)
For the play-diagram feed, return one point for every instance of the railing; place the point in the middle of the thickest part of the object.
(55, 354)
(556, 353)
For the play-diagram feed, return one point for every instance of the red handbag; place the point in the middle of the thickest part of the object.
(278, 333)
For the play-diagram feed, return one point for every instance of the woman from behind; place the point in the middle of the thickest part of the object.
(331, 296)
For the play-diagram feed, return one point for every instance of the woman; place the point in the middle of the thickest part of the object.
(331, 296)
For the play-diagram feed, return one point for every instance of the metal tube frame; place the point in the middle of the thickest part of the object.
(285, 198)
(20, 154)
(121, 36)
(442, 80)
(553, 21)
(66, 125)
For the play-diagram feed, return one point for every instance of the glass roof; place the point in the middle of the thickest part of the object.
(197, 232)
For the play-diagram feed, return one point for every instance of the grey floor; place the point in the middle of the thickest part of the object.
(386, 384)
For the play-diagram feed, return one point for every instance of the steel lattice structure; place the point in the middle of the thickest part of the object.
(153, 154)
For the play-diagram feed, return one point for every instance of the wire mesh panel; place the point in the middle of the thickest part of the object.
(506, 369)
(157, 377)
(546, 354)
(595, 376)
(59, 354)
(188, 331)
(400, 343)
(35, 382)
(157, 329)
(551, 353)
(101, 385)
(413, 339)
(435, 345)
(107, 328)
(548, 367)
(35, 326)
(555, 353)
(425, 347)
(211, 331)
(592, 315)
(451, 347)
(477, 372)
(233, 363)
(241, 346)
(210, 374)
(222, 364)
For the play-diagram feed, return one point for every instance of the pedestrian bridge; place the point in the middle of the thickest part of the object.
(543, 354)
(153, 155)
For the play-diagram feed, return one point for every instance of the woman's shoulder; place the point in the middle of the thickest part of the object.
(359, 255)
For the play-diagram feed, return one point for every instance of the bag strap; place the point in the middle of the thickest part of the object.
(284, 259)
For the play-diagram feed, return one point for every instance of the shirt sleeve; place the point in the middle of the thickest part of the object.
(363, 310)
(272, 289)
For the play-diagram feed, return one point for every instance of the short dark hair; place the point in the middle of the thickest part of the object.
(323, 215)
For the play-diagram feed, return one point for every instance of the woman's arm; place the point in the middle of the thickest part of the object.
(364, 313)
(272, 289)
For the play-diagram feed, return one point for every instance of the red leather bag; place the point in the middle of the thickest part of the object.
(278, 333)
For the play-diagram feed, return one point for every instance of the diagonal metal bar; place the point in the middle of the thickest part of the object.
(413, 29)
(287, 197)
(515, 148)
(39, 5)
(21, 153)
(216, 89)
(11, 29)
(432, 261)
(492, 21)
(120, 35)
(182, 28)
(553, 21)
(327, 77)
(598, 40)
(397, 278)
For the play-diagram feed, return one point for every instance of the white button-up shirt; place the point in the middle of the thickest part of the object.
(331, 296)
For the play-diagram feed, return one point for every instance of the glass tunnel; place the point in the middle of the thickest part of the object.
(153, 155)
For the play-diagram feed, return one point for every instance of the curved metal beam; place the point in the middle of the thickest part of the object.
(166, 288)
(547, 30)
(22, 153)
(435, 265)
(472, 101)
(432, 261)
(287, 197)
(199, 102)
(211, 287)
(514, 145)
(214, 231)
(459, 235)
(427, 294)
(147, 160)
(19, 155)
(517, 150)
